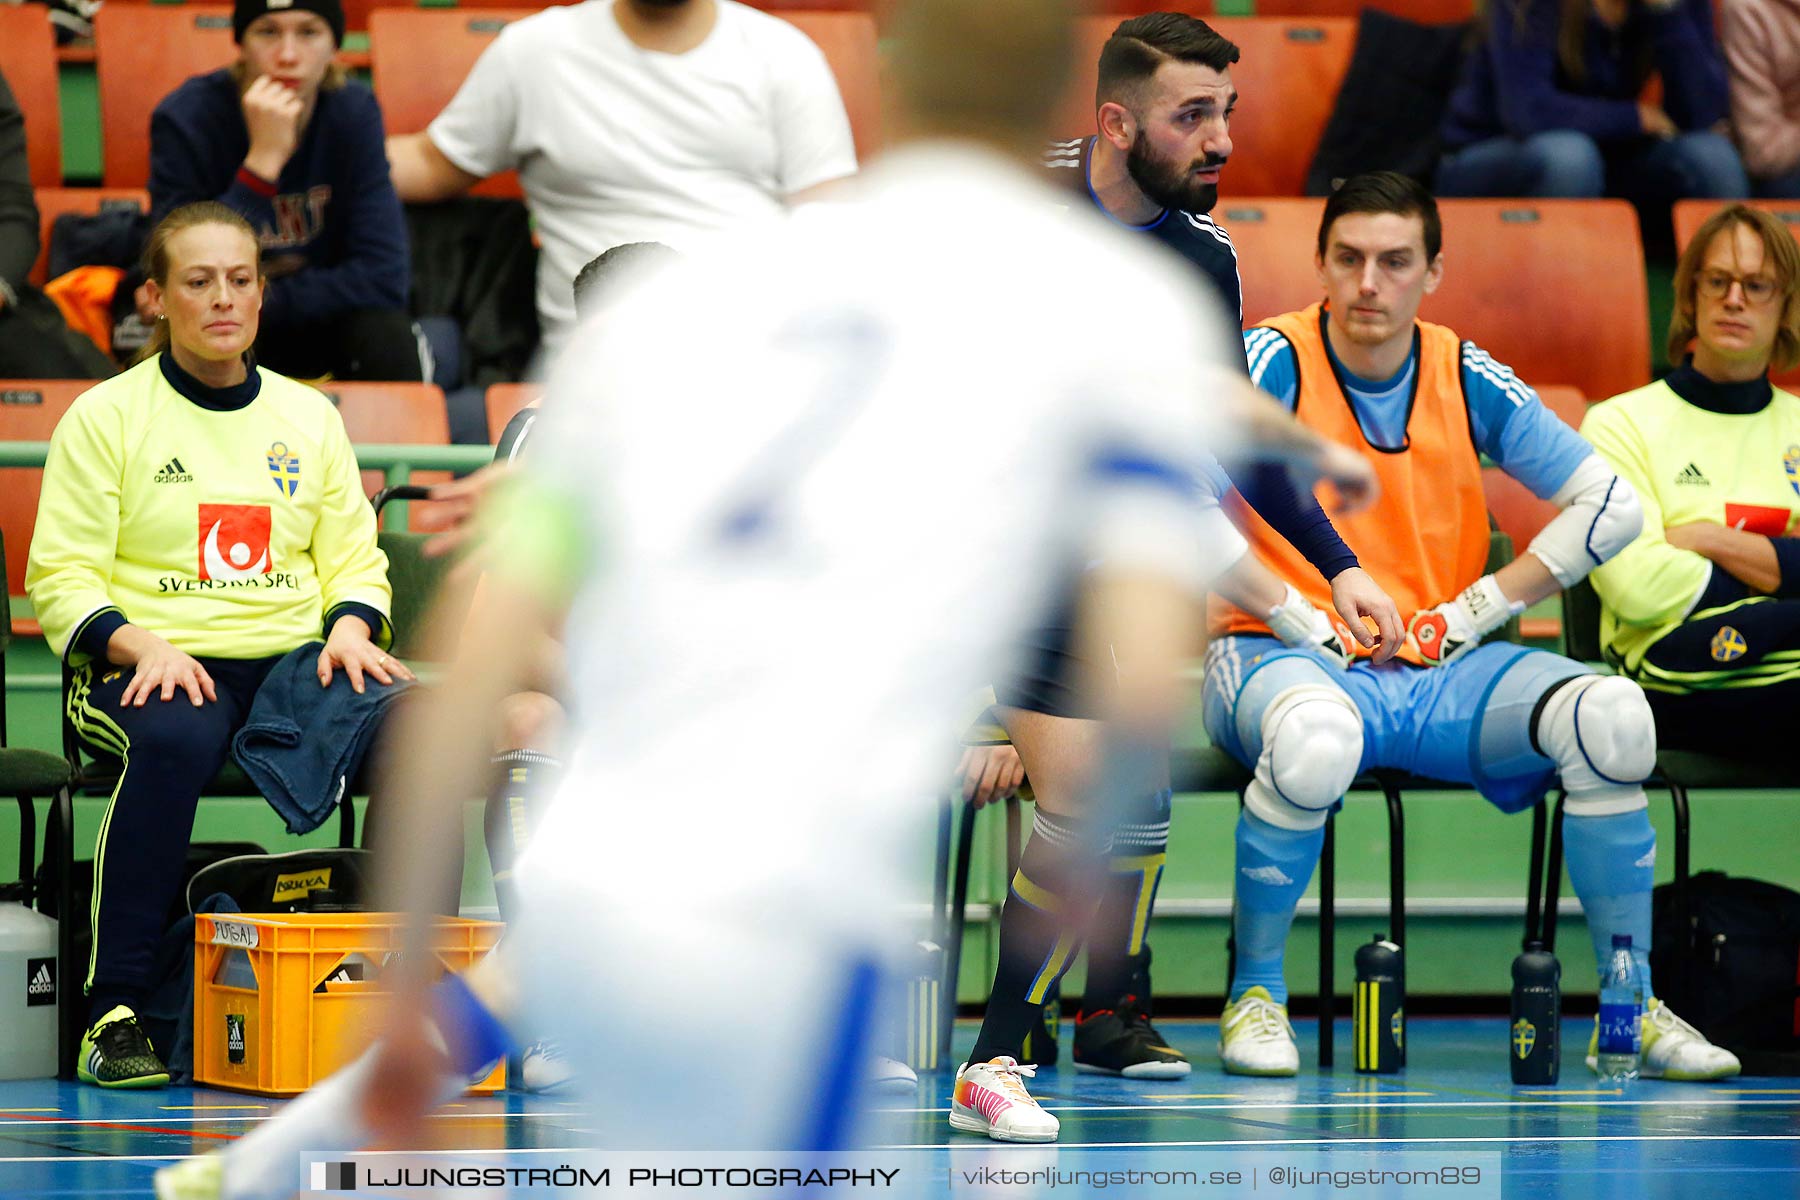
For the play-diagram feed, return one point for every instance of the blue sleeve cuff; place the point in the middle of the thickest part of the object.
(92, 637)
(380, 632)
(1787, 557)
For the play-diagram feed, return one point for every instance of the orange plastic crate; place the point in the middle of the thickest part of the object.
(283, 1000)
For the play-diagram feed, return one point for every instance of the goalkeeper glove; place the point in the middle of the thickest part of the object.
(1298, 623)
(1444, 634)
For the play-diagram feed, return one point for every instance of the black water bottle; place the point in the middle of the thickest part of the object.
(1380, 1008)
(1536, 1030)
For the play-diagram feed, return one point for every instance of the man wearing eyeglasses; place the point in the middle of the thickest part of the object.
(1703, 609)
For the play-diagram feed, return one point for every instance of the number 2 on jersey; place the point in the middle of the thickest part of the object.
(845, 352)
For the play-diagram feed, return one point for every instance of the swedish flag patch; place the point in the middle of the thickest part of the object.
(284, 469)
(1728, 644)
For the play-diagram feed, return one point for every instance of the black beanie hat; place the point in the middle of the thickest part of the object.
(245, 11)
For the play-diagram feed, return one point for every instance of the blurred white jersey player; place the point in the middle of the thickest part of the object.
(811, 490)
(796, 500)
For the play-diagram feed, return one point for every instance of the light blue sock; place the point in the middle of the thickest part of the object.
(1612, 863)
(1273, 866)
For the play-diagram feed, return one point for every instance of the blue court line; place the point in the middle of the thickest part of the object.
(1519, 1103)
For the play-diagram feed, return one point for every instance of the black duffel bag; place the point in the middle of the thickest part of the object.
(327, 879)
(1740, 983)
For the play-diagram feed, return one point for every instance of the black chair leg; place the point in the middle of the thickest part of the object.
(1396, 866)
(1553, 875)
(959, 903)
(1397, 882)
(1327, 940)
(1231, 922)
(347, 823)
(1534, 883)
(59, 830)
(1015, 840)
(1684, 944)
(27, 848)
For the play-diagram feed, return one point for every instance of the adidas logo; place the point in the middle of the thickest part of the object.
(1692, 476)
(1272, 875)
(40, 986)
(172, 472)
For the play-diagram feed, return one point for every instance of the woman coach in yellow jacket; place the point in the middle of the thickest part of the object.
(1703, 609)
(200, 518)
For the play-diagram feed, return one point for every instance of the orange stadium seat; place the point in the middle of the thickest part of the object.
(54, 202)
(1553, 288)
(28, 60)
(1277, 125)
(1425, 12)
(1691, 214)
(358, 12)
(420, 57)
(1274, 240)
(504, 400)
(29, 411)
(143, 52)
(407, 414)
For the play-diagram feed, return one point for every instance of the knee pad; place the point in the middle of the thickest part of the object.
(1312, 744)
(1601, 734)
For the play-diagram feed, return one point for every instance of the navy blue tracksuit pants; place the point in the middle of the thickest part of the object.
(170, 751)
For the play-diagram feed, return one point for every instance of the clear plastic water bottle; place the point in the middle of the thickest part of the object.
(1621, 1014)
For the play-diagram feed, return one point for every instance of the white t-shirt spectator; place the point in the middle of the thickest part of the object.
(615, 143)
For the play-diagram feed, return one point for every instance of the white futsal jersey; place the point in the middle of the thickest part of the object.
(817, 486)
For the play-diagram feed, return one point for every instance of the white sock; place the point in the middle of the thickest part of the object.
(327, 1118)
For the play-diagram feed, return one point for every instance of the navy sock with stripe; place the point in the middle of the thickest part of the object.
(1046, 913)
(521, 779)
(1118, 955)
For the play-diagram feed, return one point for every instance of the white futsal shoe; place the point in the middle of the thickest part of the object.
(1255, 1037)
(990, 1098)
(200, 1178)
(1673, 1049)
(542, 1068)
(890, 1075)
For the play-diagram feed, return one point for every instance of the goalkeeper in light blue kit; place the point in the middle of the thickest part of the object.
(1508, 720)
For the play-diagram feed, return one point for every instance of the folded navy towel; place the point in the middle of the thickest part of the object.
(304, 743)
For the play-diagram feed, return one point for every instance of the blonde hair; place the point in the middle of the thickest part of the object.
(992, 70)
(1780, 254)
(156, 255)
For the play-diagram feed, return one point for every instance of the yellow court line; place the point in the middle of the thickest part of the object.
(1371, 1095)
(1561, 1092)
